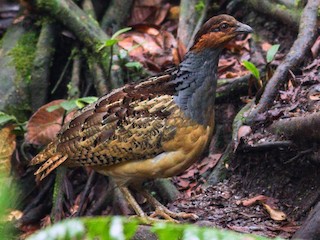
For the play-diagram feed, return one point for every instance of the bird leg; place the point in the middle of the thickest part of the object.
(130, 199)
(162, 211)
(143, 216)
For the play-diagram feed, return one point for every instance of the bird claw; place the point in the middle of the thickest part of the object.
(171, 216)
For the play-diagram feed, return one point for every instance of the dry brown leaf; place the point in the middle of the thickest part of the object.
(7, 147)
(243, 131)
(274, 213)
(153, 12)
(254, 200)
(265, 46)
(43, 126)
(149, 46)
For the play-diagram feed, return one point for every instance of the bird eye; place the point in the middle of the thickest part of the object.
(223, 26)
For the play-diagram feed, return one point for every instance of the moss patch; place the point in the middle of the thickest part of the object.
(23, 55)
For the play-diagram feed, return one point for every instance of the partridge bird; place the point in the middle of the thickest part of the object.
(153, 129)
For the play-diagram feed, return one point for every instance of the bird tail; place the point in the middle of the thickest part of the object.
(50, 160)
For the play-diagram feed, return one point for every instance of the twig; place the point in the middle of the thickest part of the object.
(85, 192)
(306, 38)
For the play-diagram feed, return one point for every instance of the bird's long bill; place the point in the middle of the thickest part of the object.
(243, 28)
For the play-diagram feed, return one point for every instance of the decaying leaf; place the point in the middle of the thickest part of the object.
(274, 213)
(243, 131)
(43, 125)
(7, 147)
(269, 204)
(150, 46)
(253, 200)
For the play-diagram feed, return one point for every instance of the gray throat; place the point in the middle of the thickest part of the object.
(196, 82)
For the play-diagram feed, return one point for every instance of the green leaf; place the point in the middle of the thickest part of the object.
(69, 105)
(98, 227)
(110, 42)
(135, 65)
(5, 118)
(88, 100)
(252, 68)
(272, 52)
(200, 6)
(53, 108)
(82, 102)
(123, 30)
(130, 228)
(167, 231)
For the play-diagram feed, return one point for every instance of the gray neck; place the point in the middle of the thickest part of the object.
(196, 84)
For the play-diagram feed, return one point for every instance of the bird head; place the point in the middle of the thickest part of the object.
(217, 31)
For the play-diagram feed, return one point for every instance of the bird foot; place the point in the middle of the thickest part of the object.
(171, 216)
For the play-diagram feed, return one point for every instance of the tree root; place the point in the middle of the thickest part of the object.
(306, 38)
(306, 127)
(278, 11)
(310, 228)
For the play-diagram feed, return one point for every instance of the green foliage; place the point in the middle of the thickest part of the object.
(252, 68)
(270, 56)
(7, 201)
(23, 54)
(5, 118)
(272, 52)
(69, 105)
(200, 6)
(119, 228)
(123, 30)
(112, 41)
(135, 65)
(19, 126)
(115, 228)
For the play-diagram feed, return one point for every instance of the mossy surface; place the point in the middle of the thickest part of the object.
(23, 55)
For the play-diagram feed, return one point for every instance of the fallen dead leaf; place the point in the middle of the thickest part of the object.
(254, 200)
(275, 214)
(243, 131)
(43, 126)
(265, 46)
